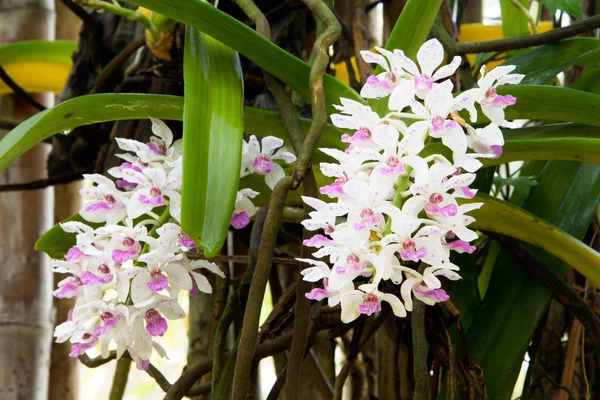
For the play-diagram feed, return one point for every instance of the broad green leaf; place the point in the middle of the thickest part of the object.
(413, 26)
(545, 62)
(239, 36)
(572, 7)
(86, 110)
(59, 51)
(553, 103)
(213, 128)
(55, 242)
(515, 302)
(502, 217)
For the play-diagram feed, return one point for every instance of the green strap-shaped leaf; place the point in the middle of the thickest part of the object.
(553, 103)
(247, 41)
(213, 127)
(413, 26)
(502, 217)
(541, 64)
(549, 142)
(515, 301)
(59, 51)
(86, 110)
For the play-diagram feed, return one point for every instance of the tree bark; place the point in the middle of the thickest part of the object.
(26, 284)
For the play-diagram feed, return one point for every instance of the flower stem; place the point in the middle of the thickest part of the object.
(420, 349)
(120, 379)
(401, 186)
(123, 12)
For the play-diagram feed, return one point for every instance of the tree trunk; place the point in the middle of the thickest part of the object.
(25, 289)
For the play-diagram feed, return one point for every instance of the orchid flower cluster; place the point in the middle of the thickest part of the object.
(126, 278)
(393, 206)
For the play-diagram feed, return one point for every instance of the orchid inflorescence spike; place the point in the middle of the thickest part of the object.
(125, 294)
(393, 207)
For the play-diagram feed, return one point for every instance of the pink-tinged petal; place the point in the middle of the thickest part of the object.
(127, 165)
(503, 101)
(497, 150)
(74, 254)
(460, 246)
(156, 325)
(97, 206)
(151, 201)
(362, 135)
(153, 148)
(436, 295)
(194, 291)
(369, 305)
(109, 321)
(262, 164)
(332, 191)
(121, 256)
(158, 281)
(89, 279)
(467, 192)
(317, 294)
(240, 220)
(449, 210)
(393, 167)
(374, 82)
(412, 254)
(423, 84)
(317, 241)
(79, 348)
(186, 241)
(142, 365)
(68, 288)
(123, 184)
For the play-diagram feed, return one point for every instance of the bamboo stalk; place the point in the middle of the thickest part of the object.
(25, 287)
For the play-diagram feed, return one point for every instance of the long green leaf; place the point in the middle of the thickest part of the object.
(413, 26)
(59, 51)
(516, 302)
(86, 110)
(543, 63)
(501, 217)
(213, 128)
(248, 42)
(553, 103)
